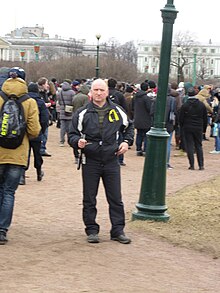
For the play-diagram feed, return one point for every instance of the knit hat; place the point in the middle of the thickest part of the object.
(191, 92)
(16, 72)
(75, 82)
(33, 87)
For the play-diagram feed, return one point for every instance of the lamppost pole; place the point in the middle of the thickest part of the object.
(179, 51)
(194, 69)
(36, 50)
(98, 36)
(151, 205)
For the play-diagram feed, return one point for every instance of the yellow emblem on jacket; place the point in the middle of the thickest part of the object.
(113, 116)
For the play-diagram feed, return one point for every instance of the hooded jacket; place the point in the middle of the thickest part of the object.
(66, 95)
(19, 156)
(81, 98)
(203, 95)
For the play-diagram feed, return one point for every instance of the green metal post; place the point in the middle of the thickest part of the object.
(194, 69)
(178, 73)
(151, 203)
(97, 56)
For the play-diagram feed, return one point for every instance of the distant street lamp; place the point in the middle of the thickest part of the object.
(194, 69)
(98, 36)
(36, 50)
(179, 51)
(22, 53)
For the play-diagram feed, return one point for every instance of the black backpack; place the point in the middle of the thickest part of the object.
(12, 121)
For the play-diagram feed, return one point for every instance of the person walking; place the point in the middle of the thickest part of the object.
(193, 120)
(13, 161)
(94, 130)
(65, 98)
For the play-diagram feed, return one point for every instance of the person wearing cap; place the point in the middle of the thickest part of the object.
(193, 121)
(13, 161)
(75, 86)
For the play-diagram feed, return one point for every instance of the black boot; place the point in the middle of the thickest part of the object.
(40, 174)
(22, 178)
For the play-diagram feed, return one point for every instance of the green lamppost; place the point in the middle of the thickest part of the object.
(36, 50)
(179, 51)
(98, 36)
(194, 69)
(151, 205)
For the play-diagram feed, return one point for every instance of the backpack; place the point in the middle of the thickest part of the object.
(12, 121)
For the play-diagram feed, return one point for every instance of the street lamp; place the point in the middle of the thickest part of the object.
(98, 36)
(151, 205)
(22, 53)
(36, 50)
(179, 51)
(194, 69)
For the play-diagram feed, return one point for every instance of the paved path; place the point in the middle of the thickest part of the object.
(48, 252)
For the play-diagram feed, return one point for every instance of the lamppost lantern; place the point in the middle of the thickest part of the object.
(22, 53)
(98, 36)
(36, 50)
(179, 51)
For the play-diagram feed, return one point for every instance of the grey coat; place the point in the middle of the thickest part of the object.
(67, 94)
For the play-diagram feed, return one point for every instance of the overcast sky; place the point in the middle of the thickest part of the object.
(123, 20)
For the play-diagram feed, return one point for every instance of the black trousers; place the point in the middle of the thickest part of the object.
(92, 172)
(38, 160)
(193, 141)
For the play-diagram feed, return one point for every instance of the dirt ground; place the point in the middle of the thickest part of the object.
(47, 250)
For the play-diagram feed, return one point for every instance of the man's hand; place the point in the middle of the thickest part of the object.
(82, 143)
(123, 147)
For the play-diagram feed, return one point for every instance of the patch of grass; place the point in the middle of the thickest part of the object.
(194, 218)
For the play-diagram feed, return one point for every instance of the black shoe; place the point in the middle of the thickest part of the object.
(191, 168)
(40, 176)
(201, 168)
(139, 153)
(122, 239)
(122, 164)
(3, 238)
(93, 238)
(45, 154)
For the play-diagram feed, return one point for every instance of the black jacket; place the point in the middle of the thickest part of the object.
(43, 113)
(193, 115)
(142, 110)
(101, 146)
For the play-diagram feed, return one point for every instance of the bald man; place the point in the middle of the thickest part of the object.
(94, 130)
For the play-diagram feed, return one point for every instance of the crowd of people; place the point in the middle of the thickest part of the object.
(101, 119)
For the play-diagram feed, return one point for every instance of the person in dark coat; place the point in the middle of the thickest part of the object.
(142, 117)
(35, 143)
(193, 121)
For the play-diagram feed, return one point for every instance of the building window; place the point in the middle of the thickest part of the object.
(213, 51)
(154, 49)
(146, 49)
(145, 59)
(212, 61)
(153, 71)
(204, 50)
(187, 71)
(211, 72)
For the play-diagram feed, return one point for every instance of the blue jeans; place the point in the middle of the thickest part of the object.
(217, 139)
(169, 147)
(9, 181)
(44, 141)
(141, 138)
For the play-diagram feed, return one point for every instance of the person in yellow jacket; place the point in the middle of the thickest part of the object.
(13, 161)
